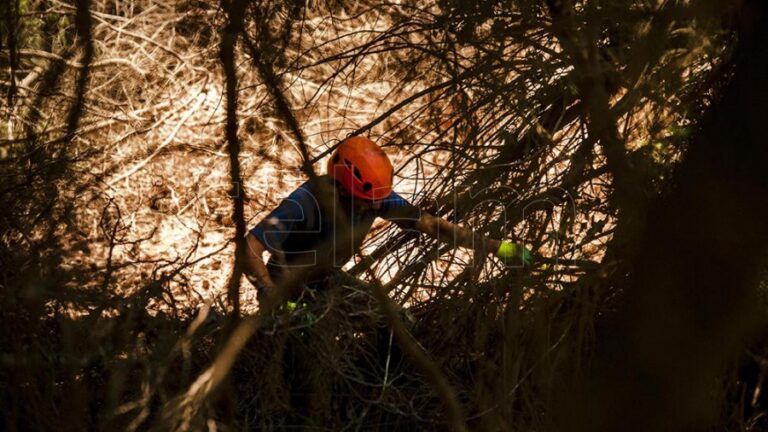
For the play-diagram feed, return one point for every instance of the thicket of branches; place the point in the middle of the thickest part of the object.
(619, 140)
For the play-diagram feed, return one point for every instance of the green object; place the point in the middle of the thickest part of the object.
(304, 312)
(514, 254)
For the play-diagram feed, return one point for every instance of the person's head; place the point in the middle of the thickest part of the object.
(363, 171)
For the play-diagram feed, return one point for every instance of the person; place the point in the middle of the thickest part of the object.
(315, 230)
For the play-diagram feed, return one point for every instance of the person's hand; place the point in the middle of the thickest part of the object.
(265, 289)
(514, 254)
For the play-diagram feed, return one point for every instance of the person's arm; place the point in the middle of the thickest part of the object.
(397, 209)
(271, 233)
(448, 232)
(445, 231)
(255, 269)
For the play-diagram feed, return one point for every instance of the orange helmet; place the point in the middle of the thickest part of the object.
(362, 168)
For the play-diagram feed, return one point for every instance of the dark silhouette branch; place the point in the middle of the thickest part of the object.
(427, 366)
(232, 31)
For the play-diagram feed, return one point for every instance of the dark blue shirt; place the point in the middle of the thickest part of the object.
(303, 232)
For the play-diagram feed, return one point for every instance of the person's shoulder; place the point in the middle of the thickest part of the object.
(396, 199)
(320, 181)
(395, 203)
(312, 185)
(397, 209)
(309, 191)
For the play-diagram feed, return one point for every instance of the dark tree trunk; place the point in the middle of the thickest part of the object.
(690, 299)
